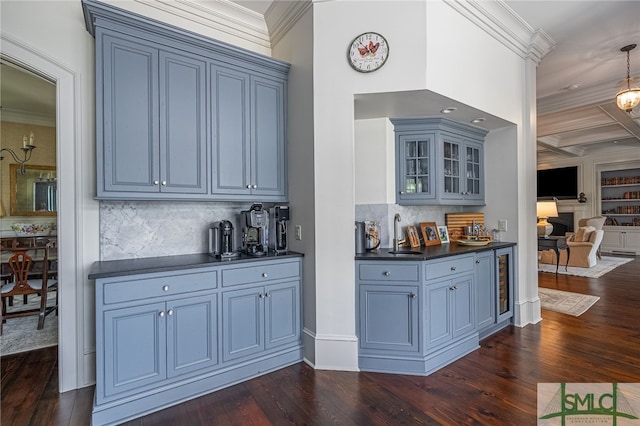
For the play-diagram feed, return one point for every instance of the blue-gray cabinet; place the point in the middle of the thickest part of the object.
(151, 127)
(248, 127)
(414, 317)
(438, 162)
(486, 304)
(164, 336)
(183, 117)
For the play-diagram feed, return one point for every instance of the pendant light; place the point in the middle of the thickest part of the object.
(628, 98)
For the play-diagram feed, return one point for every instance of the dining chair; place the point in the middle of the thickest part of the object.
(20, 263)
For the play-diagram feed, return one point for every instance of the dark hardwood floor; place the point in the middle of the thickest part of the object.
(493, 385)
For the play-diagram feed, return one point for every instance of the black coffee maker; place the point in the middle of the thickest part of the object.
(222, 240)
(278, 228)
(255, 230)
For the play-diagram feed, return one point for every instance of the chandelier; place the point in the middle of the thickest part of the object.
(27, 149)
(627, 99)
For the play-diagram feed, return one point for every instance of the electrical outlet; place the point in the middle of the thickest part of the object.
(298, 232)
(502, 225)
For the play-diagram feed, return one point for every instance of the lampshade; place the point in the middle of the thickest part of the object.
(629, 98)
(545, 209)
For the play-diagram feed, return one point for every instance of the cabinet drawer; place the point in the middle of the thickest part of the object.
(388, 272)
(265, 271)
(128, 289)
(448, 266)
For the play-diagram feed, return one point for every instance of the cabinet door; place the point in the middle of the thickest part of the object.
(282, 313)
(267, 137)
(438, 313)
(183, 157)
(127, 101)
(485, 290)
(134, 348)
(504, 283)
(242, 323)
(192, 334)
(463, 306)
(474, 171)
(389, 317)
(415, 166)
(230, 122)
(452, 168)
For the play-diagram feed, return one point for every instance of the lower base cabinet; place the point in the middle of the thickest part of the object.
(621, 240)
(417, 317)
(162, 338)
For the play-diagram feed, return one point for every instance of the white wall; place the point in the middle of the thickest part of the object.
(375, 167)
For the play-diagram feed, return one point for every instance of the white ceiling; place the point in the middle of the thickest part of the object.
(582, 121)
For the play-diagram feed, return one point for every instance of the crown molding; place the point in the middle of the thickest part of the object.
(506, 26)
(27, 117)
(218, 15)
(283, 15)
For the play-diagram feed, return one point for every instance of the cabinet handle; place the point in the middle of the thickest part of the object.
(155, 182)
(261, 296)
(170, 312)
(164, 183)
(165, 288)
(387, 273)
(248, 186)
(161, 314)
(254, 186)
(268, 294)
(264, 275)
(401, 192)
(477, 260)
(452, 288)
(453, 268)
(413, 295)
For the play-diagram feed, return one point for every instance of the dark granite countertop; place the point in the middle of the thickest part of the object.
(431, 252)
(146, 265)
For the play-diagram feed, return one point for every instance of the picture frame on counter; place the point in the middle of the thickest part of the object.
(443, 232)
(412, 236)
(430, 233)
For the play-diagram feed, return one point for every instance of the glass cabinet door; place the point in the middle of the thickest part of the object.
(451, 170)
(504, 280)
(473, 171)
(416, 178)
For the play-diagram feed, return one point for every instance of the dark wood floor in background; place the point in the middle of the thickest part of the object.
(494, 385)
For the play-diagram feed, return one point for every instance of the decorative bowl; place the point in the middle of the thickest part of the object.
(32, 229)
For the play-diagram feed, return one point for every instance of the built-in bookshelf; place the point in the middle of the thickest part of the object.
(620, 197)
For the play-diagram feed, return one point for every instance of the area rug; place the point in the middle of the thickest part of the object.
(22, 334)
(604, 265)
(565, 302)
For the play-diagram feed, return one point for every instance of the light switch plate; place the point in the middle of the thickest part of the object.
(298, 232)
(502, 225)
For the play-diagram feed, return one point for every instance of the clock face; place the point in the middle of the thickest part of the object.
(368, 52)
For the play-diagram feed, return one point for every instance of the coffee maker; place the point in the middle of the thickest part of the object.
(278, 238)
(255, 230)
(222, 240)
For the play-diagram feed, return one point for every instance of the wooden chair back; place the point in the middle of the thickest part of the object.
(20, 263)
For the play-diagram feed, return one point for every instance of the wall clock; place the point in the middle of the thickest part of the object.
(368, 52)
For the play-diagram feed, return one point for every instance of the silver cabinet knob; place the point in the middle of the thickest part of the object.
(264, 275)
(413, 295)
(165, 288)
(155, 182)
(254, 186)
(248, 186)
(453, 268)
(261, 296)
(164, 183)
(268, 294)
(170, 312)
(161, 314)
(387, 273)
(401, 192)
(477, 260)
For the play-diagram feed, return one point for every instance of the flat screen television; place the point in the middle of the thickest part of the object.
(560, 183)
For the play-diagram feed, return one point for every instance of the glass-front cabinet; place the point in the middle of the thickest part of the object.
(504, 278)
(438, 161)
(416, 169)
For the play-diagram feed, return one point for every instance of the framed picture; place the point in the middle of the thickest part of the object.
(444, 234)
(430, 233)
(412, 236)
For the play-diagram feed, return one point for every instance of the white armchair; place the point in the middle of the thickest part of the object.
(583, 254)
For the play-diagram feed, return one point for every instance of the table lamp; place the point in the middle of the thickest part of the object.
(545, 210)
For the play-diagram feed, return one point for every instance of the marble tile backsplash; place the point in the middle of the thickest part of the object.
(409, 215)
(134, 229)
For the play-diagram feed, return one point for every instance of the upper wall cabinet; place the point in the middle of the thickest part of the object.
(182, 116)
(438, 161)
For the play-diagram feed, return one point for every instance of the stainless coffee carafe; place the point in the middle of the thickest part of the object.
(278, 228)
